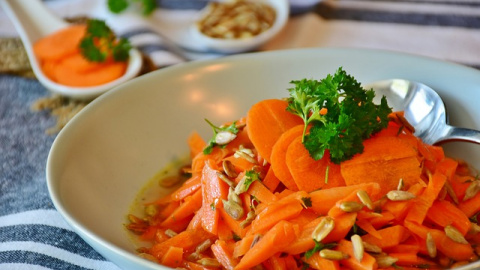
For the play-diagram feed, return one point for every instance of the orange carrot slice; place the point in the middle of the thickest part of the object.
(266, 122)
(60, 44)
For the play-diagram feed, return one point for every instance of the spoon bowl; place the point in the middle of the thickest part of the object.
(424, 110)
(33, 20)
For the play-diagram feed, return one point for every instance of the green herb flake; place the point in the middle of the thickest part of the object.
(119, 6)
(212, 142)
(318, 246)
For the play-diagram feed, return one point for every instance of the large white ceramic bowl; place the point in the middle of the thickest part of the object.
(105, 155)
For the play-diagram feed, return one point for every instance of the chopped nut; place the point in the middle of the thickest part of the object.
(225, 179)
(385, 261)
(472, 190)
(203, 246)
(170, 233)
(209, 262)
(371, 248)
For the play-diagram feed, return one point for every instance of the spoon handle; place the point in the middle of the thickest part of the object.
(31, 18)
(461, 134)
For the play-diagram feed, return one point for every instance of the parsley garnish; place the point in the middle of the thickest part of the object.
(318, 246)
(341, 114)
(100, 43)
(213, 141)
(251, 176)
(118, 6)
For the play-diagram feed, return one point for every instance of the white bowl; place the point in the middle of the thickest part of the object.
(100, 161)
(281, 8)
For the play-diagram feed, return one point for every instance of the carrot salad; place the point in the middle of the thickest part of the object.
(256, 198)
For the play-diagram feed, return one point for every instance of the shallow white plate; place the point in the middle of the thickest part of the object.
(105, 155)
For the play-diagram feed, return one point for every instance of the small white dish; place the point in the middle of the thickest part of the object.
(33, 21)
(102, 159)
(180, 27)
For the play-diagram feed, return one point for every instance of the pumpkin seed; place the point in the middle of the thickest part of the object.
(472, 190)
(365, 199)
(229, 169)
(454, 234)
(358, 248)
(400, 195)
(431, 247)
(224, 137)
(233, 197)
(333, 255)
(250, 217)
(203, 246)
(351, 207)
(233, 209)
(209, 262)
(371, 248)
(245, 155)
(241, 187)
(324, 228)
(170, 233)
(385, 261)
(451, 192)
(474, 228)
(225, 179)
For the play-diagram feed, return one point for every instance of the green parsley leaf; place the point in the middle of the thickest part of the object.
(212, 142)
(250, 177)
(318, 246)
(350, 118)
(100, 42)
(117, 6)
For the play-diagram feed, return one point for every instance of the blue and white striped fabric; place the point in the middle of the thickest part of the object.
(34, 236)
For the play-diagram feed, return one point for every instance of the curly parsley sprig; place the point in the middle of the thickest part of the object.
(100, 43)
(341, 114)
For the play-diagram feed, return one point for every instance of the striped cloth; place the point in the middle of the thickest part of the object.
(34, 236)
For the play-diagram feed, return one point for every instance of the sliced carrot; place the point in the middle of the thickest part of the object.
(444, 244)
(283, 209)
(389, 236)
(385, 160)
(324, 199)
(196, 144)
(261, 192)
(266, 122)
(233, 224)
(310, 174)
(223, 252)
(271, 181)
(187, 208)
(214, 190)
(188, 188)
(367, 263)
(244, 245)
(317, 262)
(368, 227)
(77, 62)
(279, 156)
(60, 44)
(274, 241)
(423, 202)
(188, 240)
(107, 73)
(173, 257)
(444, 213)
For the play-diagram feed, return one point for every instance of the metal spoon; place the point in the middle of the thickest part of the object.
(424, 110)
(33, 20)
